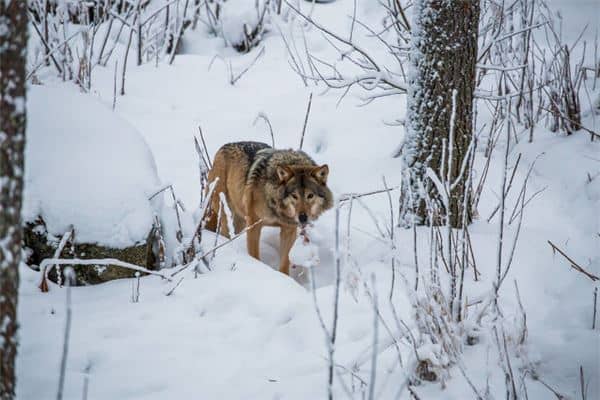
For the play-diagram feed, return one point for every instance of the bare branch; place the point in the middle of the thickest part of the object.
(574, 265)
(305, 120)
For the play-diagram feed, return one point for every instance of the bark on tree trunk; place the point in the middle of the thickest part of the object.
(443, 58)
(13, 51)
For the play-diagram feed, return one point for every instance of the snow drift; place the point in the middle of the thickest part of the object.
(87, 167)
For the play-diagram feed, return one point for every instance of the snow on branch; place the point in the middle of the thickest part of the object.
(51, 262)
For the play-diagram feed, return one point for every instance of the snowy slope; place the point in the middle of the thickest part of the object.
(244, 331)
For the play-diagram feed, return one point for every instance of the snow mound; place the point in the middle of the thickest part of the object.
(237, 13)
(87, 167)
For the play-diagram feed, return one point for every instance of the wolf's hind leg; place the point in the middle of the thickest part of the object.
(211, 221)
(224, 230)
(217, 173)
(212, 214)
(252, 235)
(253, 239)
(238, 223)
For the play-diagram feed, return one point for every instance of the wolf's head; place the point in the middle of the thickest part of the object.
(303, 194)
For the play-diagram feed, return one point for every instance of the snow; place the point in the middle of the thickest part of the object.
(244, 330)
(87, 167)
(236, 14)
(304, 252)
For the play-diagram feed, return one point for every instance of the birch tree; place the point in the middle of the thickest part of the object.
(13, 51)
(440, 105)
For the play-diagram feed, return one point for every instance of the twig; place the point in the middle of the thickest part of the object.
(393, 244)
(205, 148)
(413, 393)
(159, 191)
(114, 102)
(179, 34)
(158, 11)
(591, 132)
(317, 309)
(101, 261)
(234, 79)
(400, 11)
(65, 350)
(471, 384)
(558, 395)
(116, 41)
(298, 65)
(339, 38)
(523, 336)
(582, 383)
(336, 300)
(203, 164)
(305, 120)
(86, 382)
(375, 341)
(264, 117)
(124, 20)
(524, 187)
(518, 231)
(507, 36)
(90, 65)
(135, 289)
(170, 292)
(498, 281)
(49, 55)
(103, 46)
(131, 30)
(201, 221)
(574, 265)
(139, 33)
(218, 230)
(508, 188)
(595, 305)
(503, 359)
(176, 205)
(61, 245)
(46, 46)
(517, 213)
(347, 196)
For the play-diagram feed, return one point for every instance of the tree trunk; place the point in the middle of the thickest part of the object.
(442, 63)
(13, 51)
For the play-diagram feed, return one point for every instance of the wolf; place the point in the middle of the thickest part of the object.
(267, 187)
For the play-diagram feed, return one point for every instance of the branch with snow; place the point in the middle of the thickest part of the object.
(49, 263)
(373, 75)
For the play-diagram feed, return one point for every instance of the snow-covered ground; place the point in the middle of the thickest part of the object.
(245, 331)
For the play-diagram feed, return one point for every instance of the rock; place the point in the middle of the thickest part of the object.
(43, 245)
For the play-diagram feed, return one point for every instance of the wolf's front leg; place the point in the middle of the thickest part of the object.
(287, 237)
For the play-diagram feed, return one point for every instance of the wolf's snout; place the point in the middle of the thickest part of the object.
(302, 218)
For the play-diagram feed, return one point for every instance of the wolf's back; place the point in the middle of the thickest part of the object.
(267, 160)
(247, 150)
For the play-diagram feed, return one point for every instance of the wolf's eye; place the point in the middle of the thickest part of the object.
(310, 196)
(294, 196)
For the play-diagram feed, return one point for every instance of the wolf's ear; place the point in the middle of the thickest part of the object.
(321, 173)
(284, 173)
